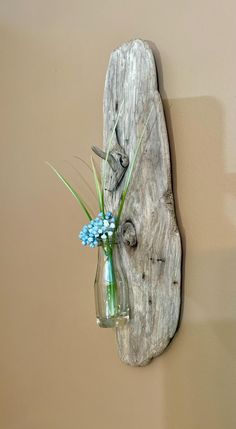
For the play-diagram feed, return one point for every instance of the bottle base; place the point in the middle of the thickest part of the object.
(112, 322)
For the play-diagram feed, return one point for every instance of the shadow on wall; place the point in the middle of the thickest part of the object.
(200, 374)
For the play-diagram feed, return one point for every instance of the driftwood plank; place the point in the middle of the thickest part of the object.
(150, 245)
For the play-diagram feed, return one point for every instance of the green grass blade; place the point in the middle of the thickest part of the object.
(83, 161)
(74, 193)
(109, 145)
(122, 201)
(83, 179)
(98, 187)
(131, 168)
(136, 151)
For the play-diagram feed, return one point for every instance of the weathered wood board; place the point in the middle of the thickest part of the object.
(150, 245)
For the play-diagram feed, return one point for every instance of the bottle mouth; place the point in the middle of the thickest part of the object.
(102, 244)
(111, 241)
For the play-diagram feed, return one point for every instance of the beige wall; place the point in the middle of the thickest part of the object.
(57, 369)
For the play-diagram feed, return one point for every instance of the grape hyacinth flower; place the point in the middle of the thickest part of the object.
(98, 230)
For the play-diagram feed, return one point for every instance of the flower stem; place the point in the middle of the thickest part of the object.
(110, 282)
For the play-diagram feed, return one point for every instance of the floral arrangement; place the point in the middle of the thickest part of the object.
(104, 226)
(101, 231)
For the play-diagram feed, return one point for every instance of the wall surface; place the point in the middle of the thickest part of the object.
(57, 369)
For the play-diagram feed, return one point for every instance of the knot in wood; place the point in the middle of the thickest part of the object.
(124, 160)
(128, 234)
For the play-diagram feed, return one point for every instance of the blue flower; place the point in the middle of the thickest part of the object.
(108, 215)
(99, 229)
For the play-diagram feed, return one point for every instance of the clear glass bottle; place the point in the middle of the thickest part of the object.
(111, 289)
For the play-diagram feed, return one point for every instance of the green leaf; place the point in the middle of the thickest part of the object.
(98, 187)
(131, 168)
(72, 190)
(122, 201)
(136, 152)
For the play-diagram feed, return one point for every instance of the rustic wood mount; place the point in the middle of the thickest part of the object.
(149, 244)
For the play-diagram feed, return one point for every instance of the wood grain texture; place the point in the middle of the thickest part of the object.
(150, 246)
